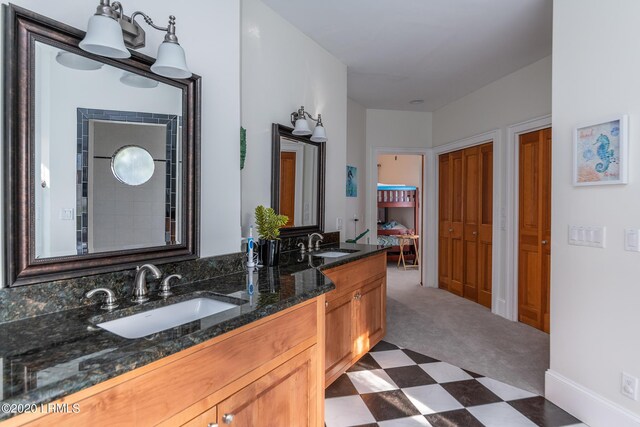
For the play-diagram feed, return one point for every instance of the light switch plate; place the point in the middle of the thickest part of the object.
(66, 214)
(632, 239)
(629, 386)
(339, 223)
(583, 235)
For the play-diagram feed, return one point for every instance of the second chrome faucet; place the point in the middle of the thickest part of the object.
(140, 288)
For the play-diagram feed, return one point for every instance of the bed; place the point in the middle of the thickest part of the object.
(397, 196)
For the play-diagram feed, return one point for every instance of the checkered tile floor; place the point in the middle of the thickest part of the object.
(397, 387)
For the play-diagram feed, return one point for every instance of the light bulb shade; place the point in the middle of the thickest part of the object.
(319, 134)
(104, 38)
(302, 127)
(171, 62)
(137, 81)
(77, 62)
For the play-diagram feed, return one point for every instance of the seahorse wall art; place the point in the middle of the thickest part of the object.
(605, 154)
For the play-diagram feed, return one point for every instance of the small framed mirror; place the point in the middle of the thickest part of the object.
(297, 181)
(101, 155)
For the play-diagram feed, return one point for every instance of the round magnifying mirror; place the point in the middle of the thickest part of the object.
(132, 165)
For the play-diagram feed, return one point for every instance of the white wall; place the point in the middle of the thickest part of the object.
(519, 96)
(356, 149)
(594, 292)
(403, 169)
(215, 57)
(401, 129)
(283, 69)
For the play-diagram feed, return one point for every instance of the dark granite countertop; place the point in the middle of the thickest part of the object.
(47, 357)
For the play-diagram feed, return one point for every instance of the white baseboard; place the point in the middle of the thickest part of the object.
(591, 408)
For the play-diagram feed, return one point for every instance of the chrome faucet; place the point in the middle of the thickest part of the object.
(110, 301)
(310, 242)
(140, 290)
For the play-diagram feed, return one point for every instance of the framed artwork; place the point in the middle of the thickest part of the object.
(600, 152)
(352, 181)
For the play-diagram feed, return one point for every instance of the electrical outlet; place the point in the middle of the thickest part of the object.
(629, 386)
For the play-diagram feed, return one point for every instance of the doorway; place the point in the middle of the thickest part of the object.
(465, 222)
(399, 212)
(534, 228)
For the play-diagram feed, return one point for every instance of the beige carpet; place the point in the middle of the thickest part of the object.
(436, 323)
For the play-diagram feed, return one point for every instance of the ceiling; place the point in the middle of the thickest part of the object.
(436, 50)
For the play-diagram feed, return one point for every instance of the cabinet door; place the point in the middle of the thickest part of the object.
(338, 335)
(283, 397)
(370, 319)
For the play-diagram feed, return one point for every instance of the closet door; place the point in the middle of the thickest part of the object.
(485, 224)
(444, 221)
(470, 207)
(457, 224)
(534, 250)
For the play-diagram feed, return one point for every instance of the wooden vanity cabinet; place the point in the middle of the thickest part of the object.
(269, 372)
(355, 316)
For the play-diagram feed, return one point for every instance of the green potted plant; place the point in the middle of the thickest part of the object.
(268, 224)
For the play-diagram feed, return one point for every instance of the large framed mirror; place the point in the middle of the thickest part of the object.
(297, 181)
(101, 157)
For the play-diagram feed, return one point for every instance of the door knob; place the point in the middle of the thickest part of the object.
(227, 418)
(544, 242)
(475, 233)
(450, 230)
(326, 303)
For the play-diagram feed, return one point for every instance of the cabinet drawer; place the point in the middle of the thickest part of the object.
(348, 276)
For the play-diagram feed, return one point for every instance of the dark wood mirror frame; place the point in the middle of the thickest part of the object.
(278, 130)
(22, 29)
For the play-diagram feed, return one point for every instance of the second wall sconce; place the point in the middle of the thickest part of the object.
(110, 32)
(301, 126)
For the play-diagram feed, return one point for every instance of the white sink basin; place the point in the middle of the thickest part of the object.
(160, 319)
(333, 254)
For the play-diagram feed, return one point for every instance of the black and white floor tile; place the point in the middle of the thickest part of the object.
(395, 387)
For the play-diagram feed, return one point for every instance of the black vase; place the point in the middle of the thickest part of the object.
(270, 252)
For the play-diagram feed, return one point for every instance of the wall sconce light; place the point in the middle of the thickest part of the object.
(301, 127)
(110, 32)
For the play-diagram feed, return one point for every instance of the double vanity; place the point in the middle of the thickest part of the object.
(259, 355)
(99, 181)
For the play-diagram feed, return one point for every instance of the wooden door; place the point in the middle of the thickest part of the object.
(339, 340)
(283, 397)
(485, 224)
(470, 209)
(456, 229)
(444, 222)
(465, 206)
(534, 219)
(369, 316)
(288, 186)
